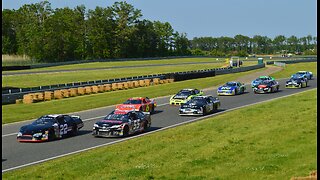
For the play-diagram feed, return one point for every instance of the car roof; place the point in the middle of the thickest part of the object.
(187, 89)
(54, 115)
(202, 96)
(139, 98)
(302, 71)
(118, 111)
(264, 76)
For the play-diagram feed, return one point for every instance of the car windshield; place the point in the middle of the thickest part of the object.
(230, 84)
(116, 117)
(264, 78)
(268, 83)
(184, 93)
(301, 73)
(197, 100)
(133, 101)
(44, 120)
(295, 78)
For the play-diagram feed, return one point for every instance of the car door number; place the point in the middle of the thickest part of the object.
(136, 124)
(63, 129)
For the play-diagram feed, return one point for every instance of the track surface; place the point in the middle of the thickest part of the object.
(16, 154)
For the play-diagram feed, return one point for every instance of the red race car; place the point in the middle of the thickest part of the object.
(143, 104)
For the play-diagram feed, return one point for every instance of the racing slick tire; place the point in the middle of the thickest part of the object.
(306, 84)
(204, 111)
(152, 109)
(51, 135)
(145, 126)
(74, 130)
(126, 131)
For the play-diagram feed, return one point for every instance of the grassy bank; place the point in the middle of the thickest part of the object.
(19, 112)
(249, 143)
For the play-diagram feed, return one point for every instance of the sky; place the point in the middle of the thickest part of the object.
(215, 18)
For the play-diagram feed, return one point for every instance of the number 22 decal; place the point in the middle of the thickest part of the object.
(63, 129)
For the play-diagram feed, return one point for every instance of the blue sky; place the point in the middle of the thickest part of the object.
(216, 18)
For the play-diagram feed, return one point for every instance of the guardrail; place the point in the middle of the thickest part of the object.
(292, 61)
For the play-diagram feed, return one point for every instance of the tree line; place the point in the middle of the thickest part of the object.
(243, 45)
(118, 31)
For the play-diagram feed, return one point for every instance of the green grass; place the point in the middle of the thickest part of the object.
(33, 80)
(293, 68)
(249, 143)
(19, 112)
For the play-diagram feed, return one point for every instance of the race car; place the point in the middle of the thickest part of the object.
(143, 104)
(200, 105)
(49, 127)
(183, 95)
(231, 88)
(260, 79)
(267, 87)
(306, 74)
(297, 82)
(121, 123)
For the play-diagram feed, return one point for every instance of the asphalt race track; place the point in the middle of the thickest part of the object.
(15, 154)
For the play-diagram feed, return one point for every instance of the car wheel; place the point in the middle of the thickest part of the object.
(126, 131)
(145, 126)
(152, 109)
(306, 84)
(74, 130)
(51, 135)
(204, 111)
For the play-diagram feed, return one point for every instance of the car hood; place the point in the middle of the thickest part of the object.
(180, 97)
(226, 88)
(31, 128)
(189, 105)
(128, 106)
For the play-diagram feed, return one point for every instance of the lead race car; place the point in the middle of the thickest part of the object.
(184, 95)
(231, 88)
(200, 105)
(267, 87)
(143, 104)
(49, 127)
(121, 123)
(306, 74)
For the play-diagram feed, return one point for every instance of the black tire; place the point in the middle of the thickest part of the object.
(204, 111)
(152, 109)
(235, 92)
(306, 84)
(51, 135)
(277, 88)
(74, 130)
(126, 131)
(145, 126)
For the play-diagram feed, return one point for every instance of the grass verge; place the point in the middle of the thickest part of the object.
(33, 80)
(248, 143)
(19, 112)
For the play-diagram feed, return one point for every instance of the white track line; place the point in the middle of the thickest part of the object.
(139, 135)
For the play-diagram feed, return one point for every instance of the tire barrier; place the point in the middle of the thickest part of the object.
(73, 92)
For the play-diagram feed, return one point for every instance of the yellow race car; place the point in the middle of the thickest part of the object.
(184, 95)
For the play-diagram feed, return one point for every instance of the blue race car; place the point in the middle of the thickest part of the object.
(305, 74)
(231, 88)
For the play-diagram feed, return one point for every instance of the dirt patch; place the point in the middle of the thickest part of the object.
(248, 78)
